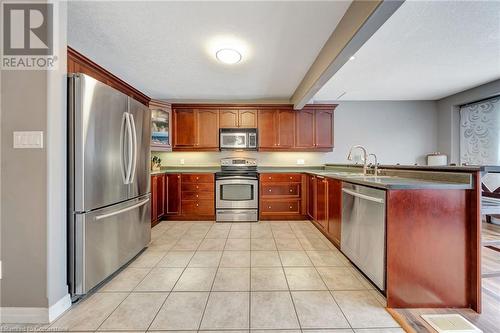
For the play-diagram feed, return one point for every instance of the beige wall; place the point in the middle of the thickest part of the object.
(24, 187)
(397, 131)
(33, 187)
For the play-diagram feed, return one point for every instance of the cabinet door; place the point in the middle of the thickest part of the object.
(247, 118)
(185, 133)
(161, 196)
(324, 128)
(208, 128)
(173, 194)
(311, 196)
(304, 137)
(228, 118)
(267, 129)
(334, 209)
(154, 198)
(321, 202)
(286, 129)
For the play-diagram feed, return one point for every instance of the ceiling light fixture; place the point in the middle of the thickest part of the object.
(228, 56)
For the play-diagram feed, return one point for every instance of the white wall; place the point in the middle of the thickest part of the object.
(397, 131)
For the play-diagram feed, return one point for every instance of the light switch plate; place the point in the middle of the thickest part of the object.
(182, 161)
(28, 139)
(300, 161)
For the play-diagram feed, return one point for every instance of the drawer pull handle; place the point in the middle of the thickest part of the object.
(269, 177)
(291, 190)
(197, 186)
(197, 178)
(270, 190)
(290, 207)
(197, 205)
(269, 207)
(290, 177)
(197, 195)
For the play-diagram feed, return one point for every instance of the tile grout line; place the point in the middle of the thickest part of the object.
(331, 295)
(172, 289)
(215, 277)
(286, 279)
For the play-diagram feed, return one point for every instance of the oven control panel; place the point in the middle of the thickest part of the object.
(238, 161)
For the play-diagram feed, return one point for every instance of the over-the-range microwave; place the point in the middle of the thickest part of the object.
(238, 139)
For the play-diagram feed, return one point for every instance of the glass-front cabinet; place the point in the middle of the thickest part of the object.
(161, 126)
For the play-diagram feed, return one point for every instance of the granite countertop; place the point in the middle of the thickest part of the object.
(347, 174)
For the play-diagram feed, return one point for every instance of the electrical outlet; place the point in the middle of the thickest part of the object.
(182, 161)
(28, 139)
(300, 161)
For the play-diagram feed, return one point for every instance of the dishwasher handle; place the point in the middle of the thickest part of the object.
(363, 196)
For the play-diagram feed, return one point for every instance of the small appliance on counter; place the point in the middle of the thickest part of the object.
(437, 159)
(238, 139)
(155, 163)
(237, 190)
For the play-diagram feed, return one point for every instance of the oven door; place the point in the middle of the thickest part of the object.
(237, 193)
(235, 140)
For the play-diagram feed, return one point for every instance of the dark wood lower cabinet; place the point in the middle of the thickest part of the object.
(281, 196)
(321, 202)
(157, 198)
(334, 217)
(173, 194)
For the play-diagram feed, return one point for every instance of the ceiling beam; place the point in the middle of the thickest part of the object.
(361, 20)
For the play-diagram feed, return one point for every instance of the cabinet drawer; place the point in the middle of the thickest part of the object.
(198, 207)
(194, 187)
(280, 177)
(285, 189)
(280, 207)
(197, 178)
(197, 195)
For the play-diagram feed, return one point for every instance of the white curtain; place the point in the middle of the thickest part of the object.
(480, 132)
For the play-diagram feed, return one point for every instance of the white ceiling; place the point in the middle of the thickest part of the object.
(427, 50)
(161, 47)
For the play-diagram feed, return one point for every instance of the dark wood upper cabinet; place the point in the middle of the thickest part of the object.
(285, 124)
(196, 129)
(334, 210)
(276, 129)
(323, 129)
(304, 137)
(247, 118)
(173, 194)
(267, 129)
(228, 118)
(314, 129)
(208, 129)
(238, 118)
(185, 130)
(280, 128)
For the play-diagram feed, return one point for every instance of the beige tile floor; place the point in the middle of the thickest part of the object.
(200, 276)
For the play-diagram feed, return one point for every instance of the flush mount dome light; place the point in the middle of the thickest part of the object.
(228, 56)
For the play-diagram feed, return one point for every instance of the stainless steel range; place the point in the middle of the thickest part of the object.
(237, 190)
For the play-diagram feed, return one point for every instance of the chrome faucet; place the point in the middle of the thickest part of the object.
(376, 164)
(365, 157)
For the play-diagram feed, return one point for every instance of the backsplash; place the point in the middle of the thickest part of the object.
(263, 158)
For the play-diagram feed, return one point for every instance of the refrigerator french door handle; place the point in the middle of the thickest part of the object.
(130, 148)
(103, 216)
(122, 149)
(134, 139)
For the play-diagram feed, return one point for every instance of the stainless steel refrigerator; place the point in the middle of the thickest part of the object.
(108, 171)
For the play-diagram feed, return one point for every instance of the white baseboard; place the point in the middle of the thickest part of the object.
(59, 307)
(19, 315)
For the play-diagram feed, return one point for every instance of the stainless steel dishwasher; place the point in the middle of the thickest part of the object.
(363, 230)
